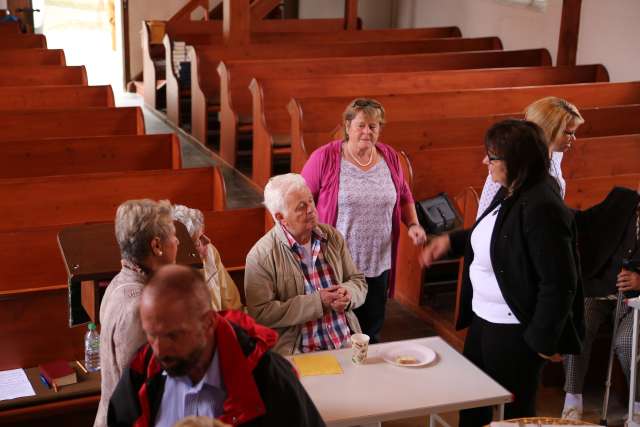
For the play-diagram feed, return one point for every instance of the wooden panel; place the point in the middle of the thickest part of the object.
(357, 35)
(71, 123)
(22, 41)
(22, 57)
(73, 199)
(569, 30)
(55, 97)
(42, 75)
(67, 156)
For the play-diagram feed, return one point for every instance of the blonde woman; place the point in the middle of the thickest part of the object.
(224, 292)
(559, 121)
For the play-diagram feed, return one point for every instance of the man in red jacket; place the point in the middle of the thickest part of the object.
(200, 362)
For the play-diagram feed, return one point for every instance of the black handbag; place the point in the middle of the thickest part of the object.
(438, 214)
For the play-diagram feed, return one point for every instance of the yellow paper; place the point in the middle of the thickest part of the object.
(317, 364)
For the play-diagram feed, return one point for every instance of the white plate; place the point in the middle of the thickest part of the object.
(423, 355)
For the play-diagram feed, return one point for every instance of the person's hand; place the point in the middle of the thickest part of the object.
(341, 303)
(628, 281)
(553, 358)
(417, 235)
(328, 296)
(435, 249)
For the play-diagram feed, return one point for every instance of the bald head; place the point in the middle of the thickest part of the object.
(177, 284)
(179, 320)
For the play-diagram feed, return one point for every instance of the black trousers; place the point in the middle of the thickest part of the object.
(501, 352)
(371, 313)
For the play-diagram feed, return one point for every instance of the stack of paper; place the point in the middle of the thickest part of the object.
(13, 384)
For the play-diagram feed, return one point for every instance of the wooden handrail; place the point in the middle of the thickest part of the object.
(184, 13)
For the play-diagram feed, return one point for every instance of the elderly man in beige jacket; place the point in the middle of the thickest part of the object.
(299, 277)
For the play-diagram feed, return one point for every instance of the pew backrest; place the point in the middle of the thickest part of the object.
(23, 41)
(55, 97)
(42, 75)
(22, 57)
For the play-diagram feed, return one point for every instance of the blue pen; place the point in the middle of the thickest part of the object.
(44, 381)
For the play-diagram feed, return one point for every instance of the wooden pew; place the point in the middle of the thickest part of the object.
(153, 61)
(41, 288)
(23, 41)
(22, 57)
(349, 36)
(42, 75)
(74, 199)
(466, 131)
(271, 122)
(68, 156)
(204, 59)
(65, 123)
(55, 97)
(9, 28)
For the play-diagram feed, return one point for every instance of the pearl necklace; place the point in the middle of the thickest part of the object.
(355, 159)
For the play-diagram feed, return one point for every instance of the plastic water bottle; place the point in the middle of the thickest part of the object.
(92, 349)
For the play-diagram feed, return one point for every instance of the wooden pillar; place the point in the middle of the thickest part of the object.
(236, 21)
(569, 30)
(350, 14)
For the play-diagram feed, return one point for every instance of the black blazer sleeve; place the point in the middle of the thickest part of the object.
(459, 240)
(548, 230)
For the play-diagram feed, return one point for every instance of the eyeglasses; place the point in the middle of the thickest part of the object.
(570, 133)
(493, 158)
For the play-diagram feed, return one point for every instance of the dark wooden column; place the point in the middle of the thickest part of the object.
(350, 14)
(261, 8)
(236, 21)
(569, 30)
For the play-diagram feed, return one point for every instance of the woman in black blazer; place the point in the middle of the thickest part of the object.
(521, 292)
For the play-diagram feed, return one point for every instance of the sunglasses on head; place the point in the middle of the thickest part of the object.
(366, 103)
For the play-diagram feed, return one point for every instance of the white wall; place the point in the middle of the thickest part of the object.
(3, 4)
(609, 31)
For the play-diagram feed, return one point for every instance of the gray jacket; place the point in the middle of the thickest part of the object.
(274, 285)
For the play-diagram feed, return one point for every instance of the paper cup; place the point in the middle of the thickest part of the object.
(359, 347)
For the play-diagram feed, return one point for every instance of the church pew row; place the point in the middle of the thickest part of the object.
(9, 28)
(34, 317)
(75, 122)
(55, 97)
(155, 34)
(23, 41)
(67, 156)
(22, 57)
(73, 199)
(271, 121)
(42, 75)
(338, 65)
(235, 76)
(466, 131)
(313, 115)
(205, 91)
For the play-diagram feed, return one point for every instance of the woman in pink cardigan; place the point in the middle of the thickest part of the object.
(359, 188)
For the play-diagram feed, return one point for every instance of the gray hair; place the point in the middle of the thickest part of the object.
(193, 219)
(277, 188)
(137, 223)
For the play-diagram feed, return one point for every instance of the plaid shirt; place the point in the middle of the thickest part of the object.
(331, 330)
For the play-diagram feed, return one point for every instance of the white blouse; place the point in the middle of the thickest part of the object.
(487, 302)
(491, 188)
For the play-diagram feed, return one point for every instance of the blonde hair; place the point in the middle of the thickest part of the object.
(553, 115)
(369, 107)
(137, 223)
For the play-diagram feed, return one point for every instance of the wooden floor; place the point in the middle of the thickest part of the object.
(400, 322)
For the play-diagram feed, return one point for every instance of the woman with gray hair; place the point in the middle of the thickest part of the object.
(224, 292)
(147, 239)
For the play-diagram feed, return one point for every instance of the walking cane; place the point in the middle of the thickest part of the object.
(607, 384)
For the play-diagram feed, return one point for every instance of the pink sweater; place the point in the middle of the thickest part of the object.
(322, 173)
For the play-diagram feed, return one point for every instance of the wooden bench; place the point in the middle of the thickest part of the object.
(205, 91)
(23, 41)
(276, 68)
(41, 288)
(42, 75)
(271, 121)
(22, 57)
(73, 199)
(178, 94)
(55, 97)
(63, 123)
(466, 131)
(68, 156)
(9, 28)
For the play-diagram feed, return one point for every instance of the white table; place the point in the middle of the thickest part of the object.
(378, 391)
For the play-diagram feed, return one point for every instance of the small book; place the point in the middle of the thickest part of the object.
(59, 373)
